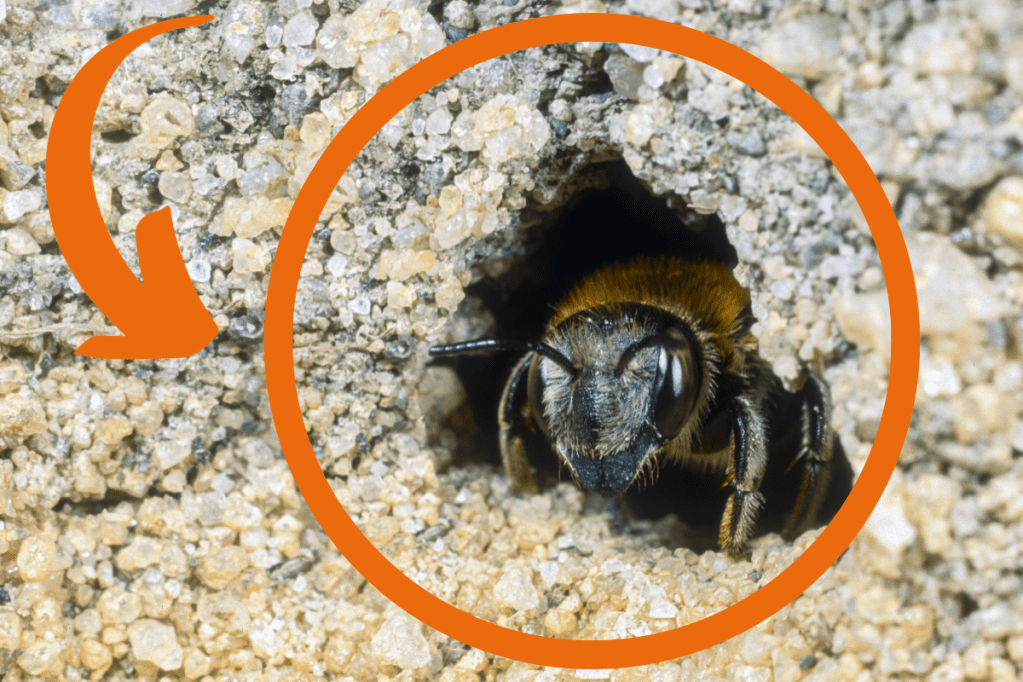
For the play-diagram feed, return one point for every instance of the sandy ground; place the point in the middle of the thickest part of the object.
(149, 525)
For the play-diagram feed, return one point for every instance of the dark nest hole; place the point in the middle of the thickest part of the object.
(613, 218)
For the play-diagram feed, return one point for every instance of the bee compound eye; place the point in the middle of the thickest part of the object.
(675, 386)
(535, 390)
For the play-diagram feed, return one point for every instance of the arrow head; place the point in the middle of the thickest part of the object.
(168, 319)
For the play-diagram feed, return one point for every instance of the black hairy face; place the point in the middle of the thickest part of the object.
(633, 388)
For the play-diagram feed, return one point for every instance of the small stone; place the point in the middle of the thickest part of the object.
(459, 14)
(938, 377)
(12, 376)
(240, 29)
(227, 167)
(316, 131)
(865, 320)
(560, 622)
(170, 453)
(290, 8)
(751, 144)
(176, 186)
(746, 673)
(400, 295)
(980, 411)
(401, 266)
(21, 417)
(383, 60)
(165, 119)
(249, 256)
(36, 555)
(221, 568)
(626, 75)
(515, 588)
(286, 66)
(640, 53)
(999, 621)
(360, 305)
(300, 29)
(948, 304)
(146, 419)
(199, 270)
(95, 655)
(239, 514)
(155, 642)
(662, 608)
(1002, 211)
(400, 642)
(117, 606)
(939, 47)
(143, 552)
(808, 46)
(168, 161)
(449, 294)
(330, 44)
(889, 526)
(43, 658)
(165, 8)
(111, 431)
(251, 219)
(211, 508)
(336, 265)
(264, 182)
(14, 205)
(439, 122)
(20, 243)
(197, 664)
(975, 661)
(14, 173)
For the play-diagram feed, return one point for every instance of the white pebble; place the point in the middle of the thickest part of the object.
(199, 269)
(641, 53)
(515, 588)
(336, 264)
(439, 122)
(300, 29)
(400, 642)
(359, 305)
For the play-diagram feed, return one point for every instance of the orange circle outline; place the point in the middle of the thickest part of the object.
(364, 556)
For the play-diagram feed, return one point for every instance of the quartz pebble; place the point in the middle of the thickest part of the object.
(14, 205)
(21, 416)
(947, 304)
(807, 46)
(164, 119)
(300, 29)
(249, 256)
(20, 243)
(36, 555)
(1002, 211)
(400, 642)
(155, 642)
(515, 588)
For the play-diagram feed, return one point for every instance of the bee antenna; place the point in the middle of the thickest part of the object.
(497, 345)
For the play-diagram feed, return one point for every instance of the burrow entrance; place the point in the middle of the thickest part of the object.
(611, 217)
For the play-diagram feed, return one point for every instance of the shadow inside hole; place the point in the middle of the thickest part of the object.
(613, 219)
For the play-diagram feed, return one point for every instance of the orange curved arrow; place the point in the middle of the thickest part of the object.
(161, 316)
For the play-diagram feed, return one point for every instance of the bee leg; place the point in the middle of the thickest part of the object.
(814, 454)
(510, 421)
(745, 473)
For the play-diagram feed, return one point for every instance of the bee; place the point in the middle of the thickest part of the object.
(651, 363)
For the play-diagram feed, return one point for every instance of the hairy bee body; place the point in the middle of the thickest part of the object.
(651, 364)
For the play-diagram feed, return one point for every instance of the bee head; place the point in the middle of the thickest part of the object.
(631, 384)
